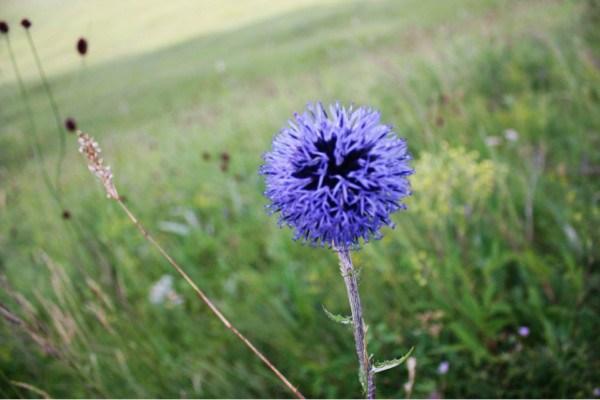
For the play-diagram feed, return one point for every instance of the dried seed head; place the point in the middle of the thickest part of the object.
(82, 46)
(66, 214)
(70, 124)
(90, 148)
(26, 23)
(3, 27)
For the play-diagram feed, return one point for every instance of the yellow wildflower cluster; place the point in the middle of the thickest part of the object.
(422, 263)
(448, 184)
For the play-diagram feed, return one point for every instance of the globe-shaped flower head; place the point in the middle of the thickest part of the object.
(336, 177)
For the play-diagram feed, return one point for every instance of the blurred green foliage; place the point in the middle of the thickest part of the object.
(500, 105)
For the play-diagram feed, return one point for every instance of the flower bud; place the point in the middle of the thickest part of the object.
(82, 46)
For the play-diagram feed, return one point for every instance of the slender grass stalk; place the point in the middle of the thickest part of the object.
(95, 164)
(39, 335)
(360, 330)
(55, 111)
(32, 388)
(37, 150)
(35, 145)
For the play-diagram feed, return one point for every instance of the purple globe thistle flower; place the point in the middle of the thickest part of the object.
(335, 178)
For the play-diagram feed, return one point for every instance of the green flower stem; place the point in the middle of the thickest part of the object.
(360, 332)
(60, 130)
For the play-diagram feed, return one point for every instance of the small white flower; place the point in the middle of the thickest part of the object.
(511, 134)
(492, 141)
(162, 292)
(411, 365)
(161, 289)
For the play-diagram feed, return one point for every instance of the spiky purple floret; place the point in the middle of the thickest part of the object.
(336, 177)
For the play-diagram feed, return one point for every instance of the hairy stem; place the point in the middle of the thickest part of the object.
(210, 305)
(360, 332)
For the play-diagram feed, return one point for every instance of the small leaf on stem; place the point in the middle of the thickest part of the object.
(340, 319)
(356, 272)
(382, 366)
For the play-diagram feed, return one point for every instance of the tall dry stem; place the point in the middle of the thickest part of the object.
(96, 164)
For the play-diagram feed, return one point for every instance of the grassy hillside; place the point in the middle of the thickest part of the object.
(499, 103)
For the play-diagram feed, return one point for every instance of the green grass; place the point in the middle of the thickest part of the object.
(495, 237)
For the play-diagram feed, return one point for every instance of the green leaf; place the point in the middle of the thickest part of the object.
(500, 308)
(357, 272)
(470, 340)
(340, 319)
(488, 294)
(471, 308)
(382, 366)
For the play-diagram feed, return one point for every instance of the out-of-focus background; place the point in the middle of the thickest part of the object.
(493, 272)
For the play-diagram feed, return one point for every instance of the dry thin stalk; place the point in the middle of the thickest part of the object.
(35, 145)
(54, 106)
(39, 335)
(411, 365)
(360, 331)
(32, 388)
(95, 164)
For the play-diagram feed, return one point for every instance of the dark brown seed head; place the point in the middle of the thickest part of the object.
(445, 99)
(225, 156)
(82, 46)
(25, 23)
(206, 156)
(70, 125)
(3, 27)
(66, 214)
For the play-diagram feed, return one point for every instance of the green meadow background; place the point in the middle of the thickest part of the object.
(499, 102)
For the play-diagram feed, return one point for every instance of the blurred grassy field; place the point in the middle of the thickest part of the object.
(499, 102)
(119, 29)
